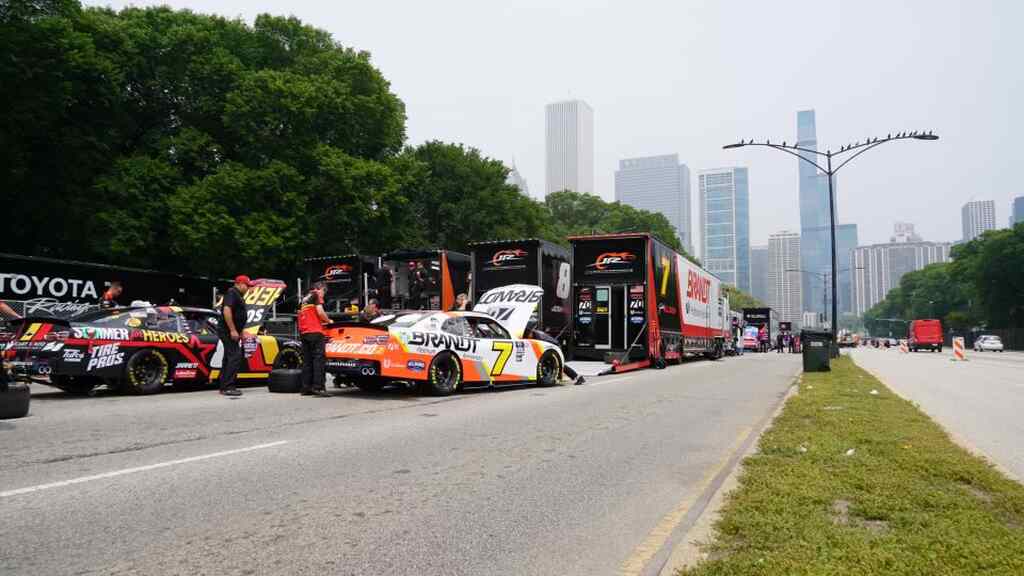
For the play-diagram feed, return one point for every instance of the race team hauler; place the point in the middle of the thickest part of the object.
(140, 348)
(426, 279)
(446, 351)
(534, 262)
(348, 277)
(636, 303)
(756, 318)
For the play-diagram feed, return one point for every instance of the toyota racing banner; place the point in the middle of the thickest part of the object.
(44, 287)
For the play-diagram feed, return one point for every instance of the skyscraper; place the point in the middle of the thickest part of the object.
(725, 224)
(784, 284)
(658, 184)
(516, 179)
(759, 273)
(977, 217)
(877, 269)
(569, 137)
(815, 233)
(846, 243)
(1017, 212)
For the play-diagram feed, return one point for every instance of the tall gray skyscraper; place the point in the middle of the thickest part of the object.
(815, 233)
(725, 224)
(658, 184)
(569, 138)
(784, 285)
(1017, 212)
(877, 269)
(977, 217)
(846, 243)
(759, 273)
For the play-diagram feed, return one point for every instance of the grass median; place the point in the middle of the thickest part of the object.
(850, 481)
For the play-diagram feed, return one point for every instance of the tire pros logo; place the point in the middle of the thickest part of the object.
(506, 257)
(613, 262)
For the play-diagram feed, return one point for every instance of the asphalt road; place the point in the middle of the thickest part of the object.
(565, 480)
(979, 401)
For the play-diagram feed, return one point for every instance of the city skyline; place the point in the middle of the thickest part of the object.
(910, 77)
(785, 295)
(976, 217)
(877, 268)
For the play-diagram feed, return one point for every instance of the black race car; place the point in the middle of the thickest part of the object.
(141, 348)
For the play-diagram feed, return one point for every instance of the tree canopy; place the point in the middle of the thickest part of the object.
(194, 143)
(983, 284)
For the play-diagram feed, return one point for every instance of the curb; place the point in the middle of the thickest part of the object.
(690, 550)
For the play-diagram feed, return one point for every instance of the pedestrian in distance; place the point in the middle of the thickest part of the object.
(233, 315)
(110, 297)
(312, 319)
(762, 339)
(779, 340)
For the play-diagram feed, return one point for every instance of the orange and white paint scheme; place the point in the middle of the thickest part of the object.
(447, 350)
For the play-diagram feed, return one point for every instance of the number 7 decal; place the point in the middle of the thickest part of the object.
(504, 350)
(666, 268)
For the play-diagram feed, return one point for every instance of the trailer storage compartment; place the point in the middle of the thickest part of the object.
(426, 279)
(636, 302)
(349, 277)
(530, 261)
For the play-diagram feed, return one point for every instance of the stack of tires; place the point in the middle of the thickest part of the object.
(285, 380)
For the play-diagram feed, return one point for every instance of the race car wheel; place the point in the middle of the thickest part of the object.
(146, 372)
(14, 400)
(289, 358)
(79, 385)
(445, 374)
(549, 369)
(287, 381)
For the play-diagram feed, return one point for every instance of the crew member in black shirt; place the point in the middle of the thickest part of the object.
(232, 323)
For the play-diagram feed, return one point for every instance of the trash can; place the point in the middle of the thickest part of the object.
(817, 347)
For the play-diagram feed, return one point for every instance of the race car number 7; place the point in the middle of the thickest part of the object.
(504, 350)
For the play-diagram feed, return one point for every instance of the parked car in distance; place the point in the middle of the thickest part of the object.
(925, 334)
(988, 343)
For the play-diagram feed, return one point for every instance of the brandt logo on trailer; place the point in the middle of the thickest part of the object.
(613, 262)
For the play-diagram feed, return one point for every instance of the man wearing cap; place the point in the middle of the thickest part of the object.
(232, 323)
(311, 331)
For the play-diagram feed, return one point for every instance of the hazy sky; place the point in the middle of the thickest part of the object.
(688, 77)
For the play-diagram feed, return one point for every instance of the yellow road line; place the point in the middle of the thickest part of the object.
(642, 554)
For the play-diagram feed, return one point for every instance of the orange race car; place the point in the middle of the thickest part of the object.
(444, 351)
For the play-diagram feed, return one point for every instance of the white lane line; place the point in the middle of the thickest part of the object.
(81, 479)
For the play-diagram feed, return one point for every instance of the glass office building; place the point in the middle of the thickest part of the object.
(725, 224)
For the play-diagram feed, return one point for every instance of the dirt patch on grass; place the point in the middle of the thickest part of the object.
(841, 517)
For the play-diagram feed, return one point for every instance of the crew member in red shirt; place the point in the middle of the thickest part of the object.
(312, 319)
(111, 295)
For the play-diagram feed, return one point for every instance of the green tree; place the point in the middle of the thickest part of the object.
(738, 299)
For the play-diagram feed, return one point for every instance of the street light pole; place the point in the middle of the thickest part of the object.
(860, 147)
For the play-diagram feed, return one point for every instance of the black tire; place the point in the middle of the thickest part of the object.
(78, 385)
(444, 375)
(289, 358)
(549, 369)
(285, 381)
(146, 372)
(14, 400)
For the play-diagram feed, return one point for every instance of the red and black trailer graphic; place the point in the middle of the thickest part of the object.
(350, 277)
(637, 302)
(426, 279)
(529, 261)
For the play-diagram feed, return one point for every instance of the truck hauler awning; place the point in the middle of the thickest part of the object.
(636, 301)
(528, 261)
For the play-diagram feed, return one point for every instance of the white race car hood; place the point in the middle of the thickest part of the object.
(512, 306)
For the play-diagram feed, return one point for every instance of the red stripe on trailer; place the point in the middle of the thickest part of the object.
(653, 325)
